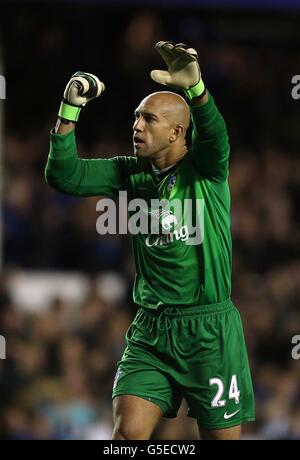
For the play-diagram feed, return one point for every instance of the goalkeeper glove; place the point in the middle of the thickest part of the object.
(81, 89)
(183, 69)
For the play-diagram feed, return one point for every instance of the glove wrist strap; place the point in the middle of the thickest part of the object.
(69, 112)
(195, 91)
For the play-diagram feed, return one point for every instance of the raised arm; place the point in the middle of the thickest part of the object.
(210, 148)
(64, 170)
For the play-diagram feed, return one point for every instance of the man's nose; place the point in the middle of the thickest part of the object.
(138, 125)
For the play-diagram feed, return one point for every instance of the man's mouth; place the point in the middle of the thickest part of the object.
(138, 141)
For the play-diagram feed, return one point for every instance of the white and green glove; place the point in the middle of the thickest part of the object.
(81, 89)
(183, 69)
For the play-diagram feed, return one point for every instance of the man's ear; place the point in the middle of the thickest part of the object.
(177, 131)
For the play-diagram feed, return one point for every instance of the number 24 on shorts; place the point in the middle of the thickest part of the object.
(234, 392)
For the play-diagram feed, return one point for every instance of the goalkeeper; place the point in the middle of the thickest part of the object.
(186, 340)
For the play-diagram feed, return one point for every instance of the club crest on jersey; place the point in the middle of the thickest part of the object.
(171, 182)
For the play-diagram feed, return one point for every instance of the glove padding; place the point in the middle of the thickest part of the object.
(183, 67)
(82, 88)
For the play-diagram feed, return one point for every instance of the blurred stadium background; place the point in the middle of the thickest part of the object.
(65, 292)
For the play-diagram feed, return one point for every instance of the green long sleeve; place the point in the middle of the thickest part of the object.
(69, 174)
(210, 147)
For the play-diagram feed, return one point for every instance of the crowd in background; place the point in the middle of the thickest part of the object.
(56, 380)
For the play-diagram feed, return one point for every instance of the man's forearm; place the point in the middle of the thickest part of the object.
(64, 128)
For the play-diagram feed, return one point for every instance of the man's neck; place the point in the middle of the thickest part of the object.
(164, 162)
(161, 171)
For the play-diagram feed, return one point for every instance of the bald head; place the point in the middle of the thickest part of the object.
(171, 106)
(159, 130)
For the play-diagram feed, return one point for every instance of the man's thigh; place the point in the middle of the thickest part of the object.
(144, 377)
(134, 418)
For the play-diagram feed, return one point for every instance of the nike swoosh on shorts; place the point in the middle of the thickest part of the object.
(226, 416)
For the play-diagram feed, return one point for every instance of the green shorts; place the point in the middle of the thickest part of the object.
(196, 353)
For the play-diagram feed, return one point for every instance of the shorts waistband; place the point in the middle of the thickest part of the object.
(199, 310)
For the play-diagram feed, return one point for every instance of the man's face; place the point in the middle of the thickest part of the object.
(151, 129)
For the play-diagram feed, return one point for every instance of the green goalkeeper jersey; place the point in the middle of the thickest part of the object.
(173, 267)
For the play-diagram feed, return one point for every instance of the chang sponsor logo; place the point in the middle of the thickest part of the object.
(161, 240)
(162, 221)
(168, 220)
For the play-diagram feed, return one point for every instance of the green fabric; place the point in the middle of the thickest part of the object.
(174, 274)
(173, 354)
